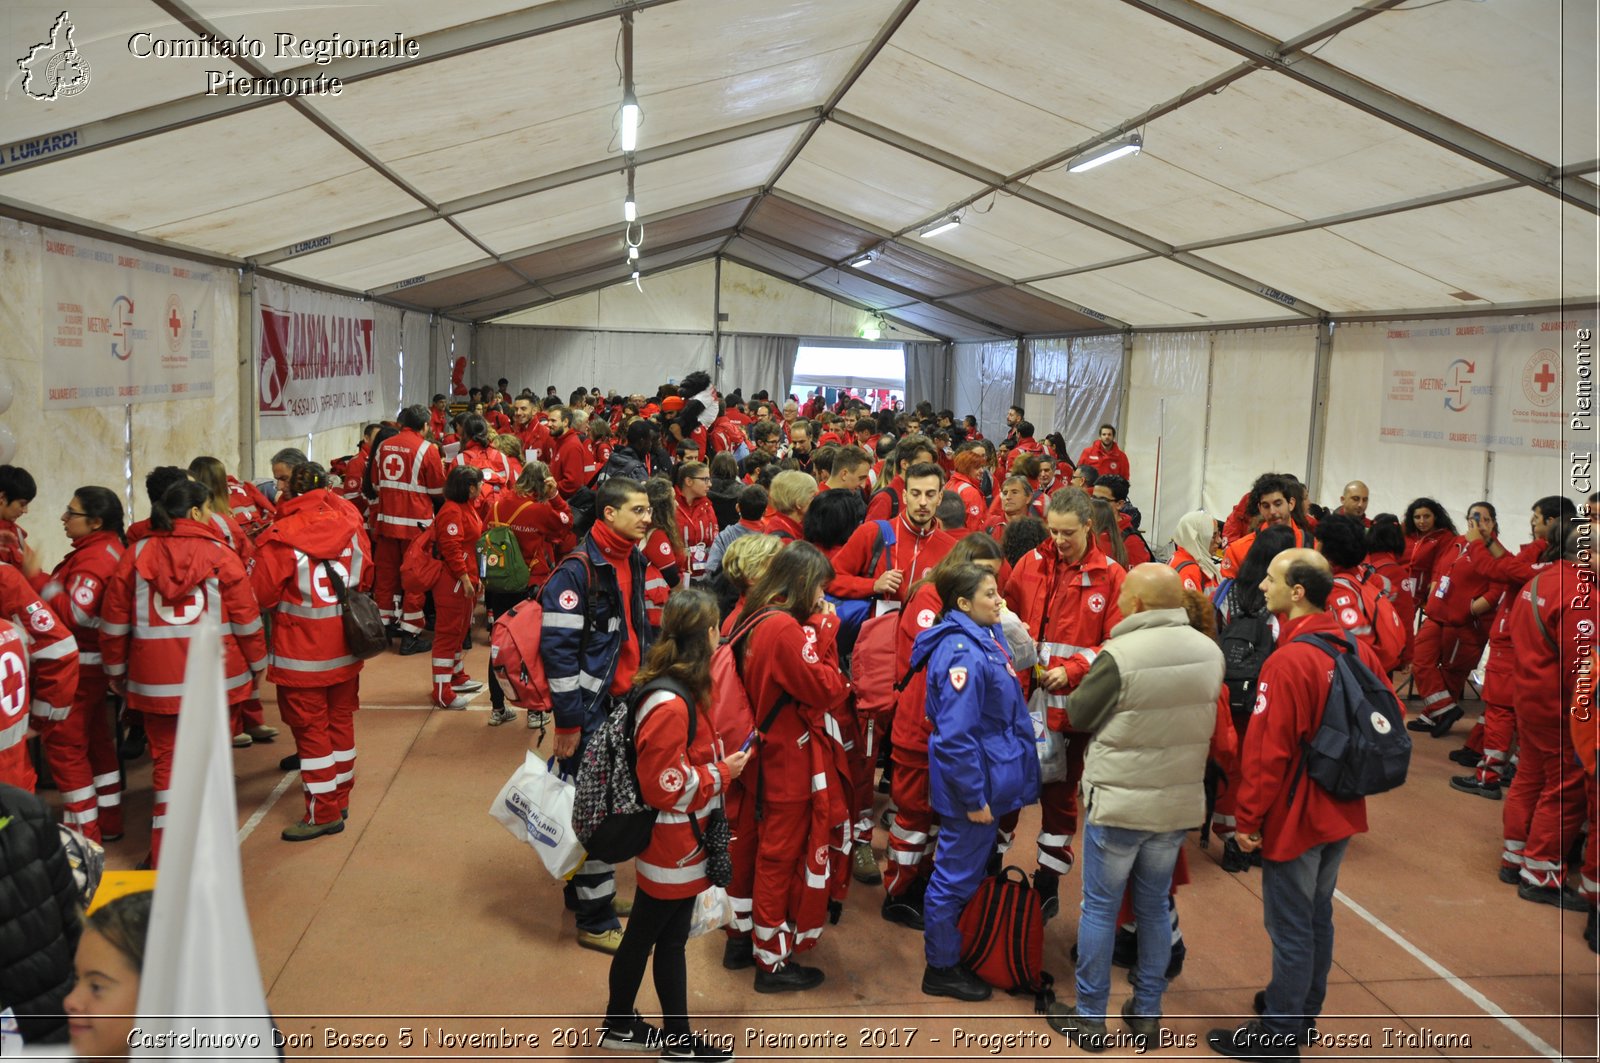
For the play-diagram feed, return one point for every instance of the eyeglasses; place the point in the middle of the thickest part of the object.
(74, 513)
(702, 479)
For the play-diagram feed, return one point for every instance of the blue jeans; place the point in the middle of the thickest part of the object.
(958, 865)
(1111, 856)
(1297, 900)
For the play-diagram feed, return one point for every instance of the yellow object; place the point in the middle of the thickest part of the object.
(114, 884)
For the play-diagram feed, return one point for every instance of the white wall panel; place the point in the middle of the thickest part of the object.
(1165, 434)
(1262, 382)
(676, 301)
(761, 304)
(628, 362)
(984, 376)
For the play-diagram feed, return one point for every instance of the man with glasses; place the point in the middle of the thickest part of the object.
(697, 517)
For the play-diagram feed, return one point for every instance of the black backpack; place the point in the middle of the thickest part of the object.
(1361, 747)
(609, 816)
(894, 500)
(1246, 641)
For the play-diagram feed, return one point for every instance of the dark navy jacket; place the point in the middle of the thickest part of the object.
(578, 688)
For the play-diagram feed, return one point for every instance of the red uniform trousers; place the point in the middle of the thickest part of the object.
(452, 619)
(914, 834)
(324, 725)
(1058, 808)
(162, 731)
(388, 554)
(780, 860)
(1589, 883)
(1445, 656)
(1546, 804)
(863, 738)
(1496, 733)
(82, 754)
(247, 715)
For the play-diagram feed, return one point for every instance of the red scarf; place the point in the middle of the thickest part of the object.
(618, 550)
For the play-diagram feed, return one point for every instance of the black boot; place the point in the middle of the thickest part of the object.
(906, 909)
(738, 954)
(790, 978)
(416, 643)
(957, 982)
(1047, 884)
(1234, 859)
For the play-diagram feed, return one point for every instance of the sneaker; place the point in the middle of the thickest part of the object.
(1047, 884)
(635, 1035)
(537, 720)
(606, 941)
(904, 909)
(500, 716)
(411, 645)
(1254, 1041)
(242, 740)
(1444, 721)
(1087, 1034)
(1564, 897)
(305, 830)
(1260, 1006)
(694, 1048)
(864, 866)
(264, 733)
(466, 685)
(1465, 757)
(460, 701)
(791, 977)
(1471, 784)
(738, 954)
(620, 907)
(1145, 1030)
(958, 982)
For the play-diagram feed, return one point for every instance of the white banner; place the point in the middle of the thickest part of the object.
(1490, 384)
(315, 364)
(122, 326)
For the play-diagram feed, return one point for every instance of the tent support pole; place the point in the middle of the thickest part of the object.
(1205, 439)
(1023, 374)
(716, 321)
(249, 381)
(1127, 384)
(1319, 409)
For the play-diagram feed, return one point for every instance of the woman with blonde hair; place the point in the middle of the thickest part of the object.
(790, 496)
(744, 563)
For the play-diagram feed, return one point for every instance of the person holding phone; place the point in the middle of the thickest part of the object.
(1451, 639)
(982, 762)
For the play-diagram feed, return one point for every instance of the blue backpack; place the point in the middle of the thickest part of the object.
(853, 612)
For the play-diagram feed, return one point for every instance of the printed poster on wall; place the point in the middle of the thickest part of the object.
(122, 326)
(1493, 384)
(315, 364)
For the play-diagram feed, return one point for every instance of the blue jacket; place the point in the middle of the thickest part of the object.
(578, 687)
(981, 750)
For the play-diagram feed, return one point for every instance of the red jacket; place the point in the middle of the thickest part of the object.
(1423, 554)
(1070, 609)
(250, 507)
(163, 584)
(350, 490)
(439, 421)
(1233, 556)
(880, 506)
(697, 525)
(1393, 578)
(76, 590)
(783, 656)
(1367, 615)
(1029, 445)
(914, 553)
(12, 539)
(572, 466)
(44, 662)
(726, 435)
(681, 781)
(409, 477)
(291, 582)
(1104, 461)
(1459, 581)
(911, 724)
(499, 470)
(1290, 699)
(971, 499)
(1508, 574)
(455, 536)
(1188, 569)
(228, 531)
(1550, 648)
(537, 443)
(543, 530)
(785, 528)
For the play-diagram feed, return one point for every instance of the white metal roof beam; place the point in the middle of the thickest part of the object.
(588, 171)
(846, 83)
(443, 44)
(887, 315)
(1347, 88)
(1068, 210)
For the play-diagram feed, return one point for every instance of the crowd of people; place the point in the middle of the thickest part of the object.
(1037, 648)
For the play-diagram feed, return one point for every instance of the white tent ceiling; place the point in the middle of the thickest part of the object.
(1303, 158)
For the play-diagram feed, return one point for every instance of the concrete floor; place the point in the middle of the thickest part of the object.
(424, 915)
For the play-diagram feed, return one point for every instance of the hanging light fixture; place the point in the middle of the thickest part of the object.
(865, 259)
(1101, 154)
(630, 102)
(630, 208)
(633, 253)
(941, 226)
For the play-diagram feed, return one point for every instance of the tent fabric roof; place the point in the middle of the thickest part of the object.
(1302, 158)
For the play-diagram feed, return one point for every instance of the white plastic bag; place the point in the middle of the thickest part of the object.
(1052, 745)
(712, 911)
(535, 805)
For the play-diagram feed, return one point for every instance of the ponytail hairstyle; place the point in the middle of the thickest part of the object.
(306, 476)
(102, 504)
(463, 484)
(960, 581)
(683, 649)
(176, 502)
(212, 473)
(475, 429)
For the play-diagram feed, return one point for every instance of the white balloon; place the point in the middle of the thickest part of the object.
(8, 444)
(7, 391)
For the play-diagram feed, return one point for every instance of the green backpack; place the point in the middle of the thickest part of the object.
(505, 570)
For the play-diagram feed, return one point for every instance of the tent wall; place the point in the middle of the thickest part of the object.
(984, 376)
(1085, 376)
(929, 374)
(570, 358)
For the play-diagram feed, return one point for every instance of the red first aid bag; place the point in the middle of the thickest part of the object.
(1002, 937)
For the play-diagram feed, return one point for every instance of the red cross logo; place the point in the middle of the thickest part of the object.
(174, 322)
(1544, 377)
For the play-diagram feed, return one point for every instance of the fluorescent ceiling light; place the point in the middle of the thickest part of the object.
(630, 210)
(941, 226)
(864, 260)
(1104, 153)
(870, 331)
(630, 123)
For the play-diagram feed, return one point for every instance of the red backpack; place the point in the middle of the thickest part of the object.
(732, 715)
(1002, 937)
(872, 665)
(514, 649)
